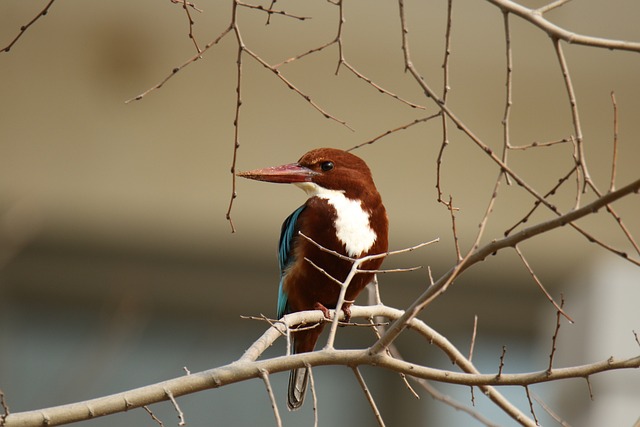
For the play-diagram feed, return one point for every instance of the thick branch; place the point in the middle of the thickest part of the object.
(248, 367)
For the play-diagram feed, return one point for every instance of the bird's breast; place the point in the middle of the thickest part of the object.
(352, 223)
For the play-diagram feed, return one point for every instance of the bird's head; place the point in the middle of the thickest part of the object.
(320, 170)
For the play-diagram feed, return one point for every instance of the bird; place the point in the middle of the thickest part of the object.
(343, 213)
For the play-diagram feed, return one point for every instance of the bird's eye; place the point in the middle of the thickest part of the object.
(326, 166)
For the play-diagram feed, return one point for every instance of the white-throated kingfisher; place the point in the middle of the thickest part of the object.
(344, 213)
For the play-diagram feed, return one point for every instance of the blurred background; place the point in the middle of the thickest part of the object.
(118, 268)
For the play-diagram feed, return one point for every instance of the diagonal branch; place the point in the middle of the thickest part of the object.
(480, 254)
(25, 27)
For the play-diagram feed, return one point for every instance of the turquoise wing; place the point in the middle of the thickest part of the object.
(288, 234)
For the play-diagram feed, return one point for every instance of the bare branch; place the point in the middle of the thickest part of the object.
(264, 374)
(367, 393)
(153, 417)
(25, 27)
(502, 355)
(533, 412)
(249, 367)
(188, 62)
(170, 396)
(540, 285)
(272, 11)
(554, 339)
(473, 337)
(536, 144)
(548, 410)
(294, 88)
(551, 6)
(394, 130)
(506, 137)
(612, 184)
(480, 254)
(560, 33)
(312, 385)
(185, 6)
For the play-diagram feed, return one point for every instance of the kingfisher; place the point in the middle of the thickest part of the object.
(343, 213)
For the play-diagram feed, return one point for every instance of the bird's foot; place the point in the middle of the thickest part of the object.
(346, 308)
(323, 309)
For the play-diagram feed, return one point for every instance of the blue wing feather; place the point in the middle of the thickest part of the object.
(285, 256)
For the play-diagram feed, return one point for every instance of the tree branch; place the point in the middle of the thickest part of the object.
(248, 367)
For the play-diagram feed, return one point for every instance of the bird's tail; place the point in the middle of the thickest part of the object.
(297, 388)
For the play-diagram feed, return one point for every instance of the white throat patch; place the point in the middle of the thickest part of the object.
(352, 222)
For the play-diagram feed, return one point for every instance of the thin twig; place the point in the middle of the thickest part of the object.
(369, 397)
(506, 143)
(504, 353)
(540, 285)
(173, 400)
(153, 417)
(394, 130)
(25, 27)
(554, 339)
(302, 55)
(536, 144)
(272, 11)
(612, 184)
(294, 88)
(379, 88)
(537, 203)
(587, 378)
(393, 352)
(453, 228)
(533, 412)
(312, 385)
(264, 374)
(573, 104)
(473, 337)
(185, 6)
(548, 410)
(551, 6)
(179, 68)
(445, 92)
(189, 4)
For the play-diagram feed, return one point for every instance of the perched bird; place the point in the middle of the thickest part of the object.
(344, 213)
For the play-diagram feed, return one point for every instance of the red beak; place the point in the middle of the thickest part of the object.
(285, 174)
